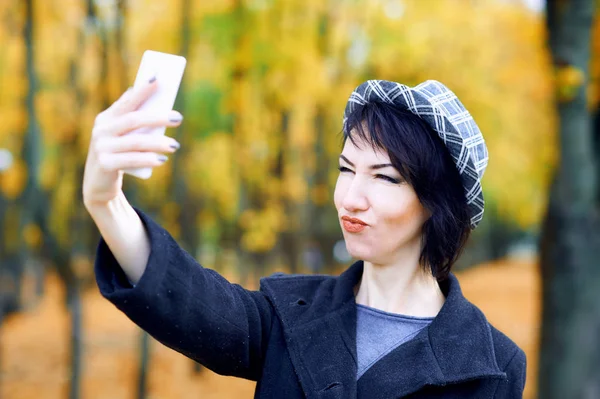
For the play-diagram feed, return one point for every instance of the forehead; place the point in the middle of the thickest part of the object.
(364, 153)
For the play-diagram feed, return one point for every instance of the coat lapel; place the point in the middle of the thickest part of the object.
(456, 347)
(318, 314)
(321, 354)
(401, 372)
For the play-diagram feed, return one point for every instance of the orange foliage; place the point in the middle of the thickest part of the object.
(35, 344)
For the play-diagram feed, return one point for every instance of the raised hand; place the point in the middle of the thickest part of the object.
(112, 150)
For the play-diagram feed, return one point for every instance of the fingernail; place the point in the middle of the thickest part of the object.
(175, 145)
(152, 79)
(163, 158)
(175, 117)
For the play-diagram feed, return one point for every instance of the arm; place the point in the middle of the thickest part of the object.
(516, 371)
(188, 308)
(183, 305)
(125, 235)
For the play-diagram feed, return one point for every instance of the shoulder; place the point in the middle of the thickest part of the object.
(300, 299)
(505, 349)
(508, 353)
(301, 285)
(511, 360)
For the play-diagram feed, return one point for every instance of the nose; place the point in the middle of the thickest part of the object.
(355, 199)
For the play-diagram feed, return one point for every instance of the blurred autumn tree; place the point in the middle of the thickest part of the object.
(570, 247)
(263, 96)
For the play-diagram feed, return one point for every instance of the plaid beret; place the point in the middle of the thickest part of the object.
(441, 109)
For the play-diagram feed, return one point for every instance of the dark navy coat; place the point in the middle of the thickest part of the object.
(296, 336)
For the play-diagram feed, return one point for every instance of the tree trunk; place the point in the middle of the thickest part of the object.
(319, 248)
(570, 245)
(81, 225)
(144, 365)
(75, 311)
(597, 151)
(32, 146)
(188, 206)
(132, 188)
(247, 197)
(120, 43)
(289, 237)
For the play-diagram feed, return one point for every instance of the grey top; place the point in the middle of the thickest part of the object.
(379, 332)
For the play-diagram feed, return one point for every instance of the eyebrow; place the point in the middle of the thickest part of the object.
(376, 166)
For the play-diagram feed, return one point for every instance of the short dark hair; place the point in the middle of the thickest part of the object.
(418, 153)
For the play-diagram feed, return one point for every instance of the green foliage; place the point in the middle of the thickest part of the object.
(204, 110)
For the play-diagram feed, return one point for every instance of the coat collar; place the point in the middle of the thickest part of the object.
(318, 314)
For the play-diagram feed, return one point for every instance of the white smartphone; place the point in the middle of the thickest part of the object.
(168, 70)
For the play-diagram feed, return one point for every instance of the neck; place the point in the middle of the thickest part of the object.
(402, 287)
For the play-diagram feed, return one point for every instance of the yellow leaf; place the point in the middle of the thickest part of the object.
(14, 179)
(32, 234)
(569, 80)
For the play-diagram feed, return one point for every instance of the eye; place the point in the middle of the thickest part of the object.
(388, 178)
(344, 169)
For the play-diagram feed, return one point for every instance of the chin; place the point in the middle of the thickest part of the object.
(359, 250)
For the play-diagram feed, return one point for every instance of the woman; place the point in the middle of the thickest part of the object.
(393, 325)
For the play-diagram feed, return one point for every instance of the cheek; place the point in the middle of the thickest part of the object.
(339, 192)
(402, 210)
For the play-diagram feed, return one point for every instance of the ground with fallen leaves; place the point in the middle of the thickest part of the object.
(34, 345)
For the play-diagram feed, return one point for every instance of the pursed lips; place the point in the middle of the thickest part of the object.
(353, 225)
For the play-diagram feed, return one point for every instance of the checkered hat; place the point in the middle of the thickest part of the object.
(441, 109)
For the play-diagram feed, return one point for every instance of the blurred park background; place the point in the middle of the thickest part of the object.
(250, 191)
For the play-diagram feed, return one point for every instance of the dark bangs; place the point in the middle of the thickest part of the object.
(422, 159)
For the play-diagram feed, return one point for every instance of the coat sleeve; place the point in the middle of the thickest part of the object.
(189, 308)
(516, 371)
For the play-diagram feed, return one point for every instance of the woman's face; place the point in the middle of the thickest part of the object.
(390, 215)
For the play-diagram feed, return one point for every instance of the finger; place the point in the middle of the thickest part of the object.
(137, 119)
(137, 143)
(135, 97)
(119, 102)
(127, 160)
